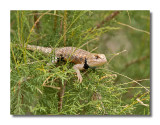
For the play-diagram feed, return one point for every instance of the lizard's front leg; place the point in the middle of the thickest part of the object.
(77, 68)
(54, 61)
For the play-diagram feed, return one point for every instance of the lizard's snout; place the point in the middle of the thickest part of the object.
(104, 60)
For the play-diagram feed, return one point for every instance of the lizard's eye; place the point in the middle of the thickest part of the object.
(97, 57)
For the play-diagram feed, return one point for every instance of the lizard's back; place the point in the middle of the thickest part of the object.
(73, 54)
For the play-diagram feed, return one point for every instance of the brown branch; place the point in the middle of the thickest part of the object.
(62, 86)
(61, 94)
(51, 86)
(108, 18)
(48, 14)
(132, 62)
(37, 27)
(136, 60)
(65, 26)
(60, 32)
(55, 22)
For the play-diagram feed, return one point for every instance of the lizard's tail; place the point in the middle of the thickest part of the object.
(44, 50)
(39, 48)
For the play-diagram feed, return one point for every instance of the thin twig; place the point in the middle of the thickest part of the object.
(35, 25)
(39, 90)
(61, 95)
(134, 88)
(129, 16)
(129, 79)
(136, 60)
(133, 103)
(37, 39)
(133, 28)
(142, 102)
(115, 56)
(88, 42)
(44, 83)
(47, 14)
(65, 27)
(60, 32)
(51, 86)
(141, 80)
(55, 21)
(108, 18)
(93, 49)
(62, 86)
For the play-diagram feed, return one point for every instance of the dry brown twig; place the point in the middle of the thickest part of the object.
(142, 102)
(47, 14)
(61, 95)
(136, 61)
(45, 83)
(64, 27)
(35, 25)
(108, 18)
(63, 86)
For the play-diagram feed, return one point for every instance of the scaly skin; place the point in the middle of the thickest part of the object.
(82, 59)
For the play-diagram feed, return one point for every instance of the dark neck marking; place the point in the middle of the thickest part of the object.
(86, 66)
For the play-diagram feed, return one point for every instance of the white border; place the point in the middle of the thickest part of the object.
(7, 5)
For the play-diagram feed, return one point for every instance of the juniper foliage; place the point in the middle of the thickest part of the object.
(35, 86)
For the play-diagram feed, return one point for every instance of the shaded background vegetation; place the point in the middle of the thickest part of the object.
(120, 87)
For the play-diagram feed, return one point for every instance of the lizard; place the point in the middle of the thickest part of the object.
(81, 58)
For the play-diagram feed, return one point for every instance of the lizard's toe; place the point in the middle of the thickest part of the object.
(79, 78)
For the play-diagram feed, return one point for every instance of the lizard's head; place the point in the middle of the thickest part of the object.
(96, 60)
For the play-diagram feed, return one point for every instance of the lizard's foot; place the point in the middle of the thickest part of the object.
(79, 77)
(77, 68)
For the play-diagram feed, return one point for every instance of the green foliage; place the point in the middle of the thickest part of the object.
(109, 90)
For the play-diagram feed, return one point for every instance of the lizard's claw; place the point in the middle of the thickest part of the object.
(79, 77)
(77, 68)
